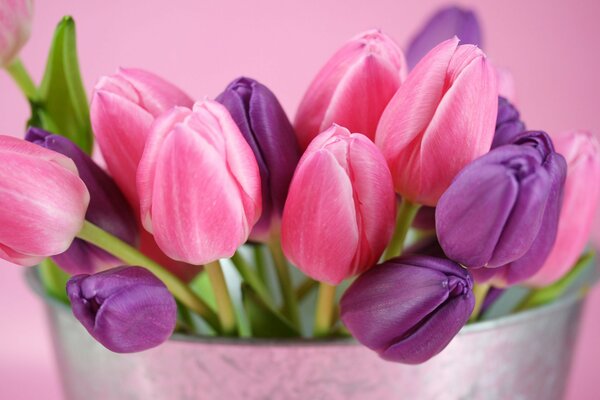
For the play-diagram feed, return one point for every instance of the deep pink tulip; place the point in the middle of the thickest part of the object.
(43, 202)
(199, 185)
(124, 105)
(15, 27)
(353, 87)
(339, 214)
(442, 117)
(580, 204)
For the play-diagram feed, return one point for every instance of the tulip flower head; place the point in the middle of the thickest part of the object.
(426, 133)
(409, 308)
(339, 214)
(43, 202)
(353, 87)
(199, 184)
(15, 27)
(126, 309)
(508, 124)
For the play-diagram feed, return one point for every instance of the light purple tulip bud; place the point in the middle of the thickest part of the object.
(409, 308)
(126, 309)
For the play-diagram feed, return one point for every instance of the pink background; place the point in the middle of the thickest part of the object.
(552, 51)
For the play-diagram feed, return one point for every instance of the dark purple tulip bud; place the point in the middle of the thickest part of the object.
(268, 131)
(126, 309)
(508, 124)
(499, 216)
(108, 208)
(443, 25)
(409, 308)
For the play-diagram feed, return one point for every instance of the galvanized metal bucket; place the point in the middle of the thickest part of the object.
(523, 356)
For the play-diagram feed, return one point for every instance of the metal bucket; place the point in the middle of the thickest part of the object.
(523, 356)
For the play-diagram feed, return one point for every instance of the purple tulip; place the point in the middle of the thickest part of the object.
(508, 124)
(500, 215)
(126, 309)
(446, 23)
(409, 308)
(268, 131)
(108, 208)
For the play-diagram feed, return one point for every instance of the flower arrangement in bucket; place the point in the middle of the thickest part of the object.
(407, 194)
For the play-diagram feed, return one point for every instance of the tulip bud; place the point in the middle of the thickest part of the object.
(443, 25)
(409, 308)
(266, 128)
(199, 184)
(425, 133)
(43, 202)
(353, 87)
(126, 309)
(108, 208)
(500, 214)
(15, 27)
(581, 199)
(124, 105)
(508, 124)
(339, 214)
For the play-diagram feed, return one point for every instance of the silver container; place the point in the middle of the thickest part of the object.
(523, 356)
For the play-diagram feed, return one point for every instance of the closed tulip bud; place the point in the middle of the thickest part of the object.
(15, 27)
(199, 184)
(499, 216)
(43, 202)
(266, 128)
(339, 214)
(443, 25)
(126, 309)
(353, 87)
(425, 134)
(124, 105)
(108, 208)
(508, 124)
(581, 200)
(409, 308)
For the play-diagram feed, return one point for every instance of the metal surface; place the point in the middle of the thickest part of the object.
(524, 356)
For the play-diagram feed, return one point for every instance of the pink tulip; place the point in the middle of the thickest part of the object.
(199, 185)
(580, 204)
(442, 117)
(339, 214)
(43, 202)
(124, 105)
(353, 87)
(15, 27)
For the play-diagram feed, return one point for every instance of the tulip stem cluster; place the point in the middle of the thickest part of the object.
(225, 308)
(406, 214)
(325, 310)
(290, 302)
(22, 78)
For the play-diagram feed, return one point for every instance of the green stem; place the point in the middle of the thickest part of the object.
(325, 310)
(404, 219)
(305, 288)
(259, 261)
(480, 290)
(250, 277)
(290, 303)
(123, 251)
(22, 78)
(225, 309)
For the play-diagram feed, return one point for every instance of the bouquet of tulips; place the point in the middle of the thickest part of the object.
(403, 201)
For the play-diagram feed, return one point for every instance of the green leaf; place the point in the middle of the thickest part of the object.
(202, 287)
(63, 107)
(54, 280)
(264, 320)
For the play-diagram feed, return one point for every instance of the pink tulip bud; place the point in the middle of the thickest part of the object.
(43, 202)
(580, 204)
(124, 105)
(353, 87)
(442, 117)
(199, 185)
(15, 27)
(339, 214)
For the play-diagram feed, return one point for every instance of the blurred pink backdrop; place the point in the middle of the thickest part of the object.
(551, 48)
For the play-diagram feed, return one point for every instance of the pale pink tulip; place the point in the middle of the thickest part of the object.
(442, 117)
(353, 87)
(124, 105)
(15, 27)
(199, 185)
(580, 204)
(339, 214)
(43, 202)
